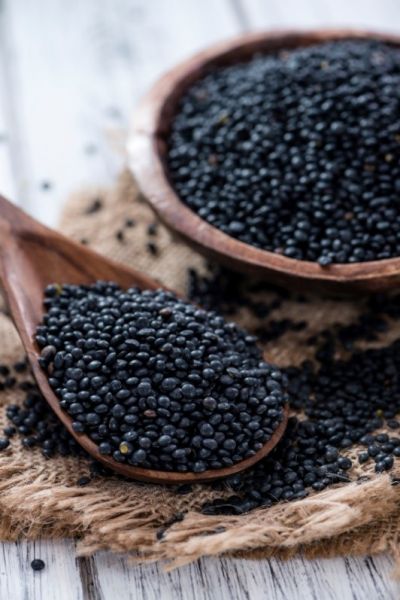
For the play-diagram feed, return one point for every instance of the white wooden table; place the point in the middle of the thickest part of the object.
(70, 72)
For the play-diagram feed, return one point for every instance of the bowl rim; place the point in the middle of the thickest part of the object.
(147, 152)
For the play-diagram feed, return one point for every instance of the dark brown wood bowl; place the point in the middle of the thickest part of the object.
(147, 150)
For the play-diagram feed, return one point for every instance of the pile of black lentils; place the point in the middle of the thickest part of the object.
(297, 153)
(155, 381)
(342, 403)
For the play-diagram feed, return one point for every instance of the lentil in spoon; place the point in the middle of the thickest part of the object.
(155, 381)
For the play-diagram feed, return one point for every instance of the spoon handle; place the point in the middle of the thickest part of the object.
(16, 228)
(16, 221)
(21, 239)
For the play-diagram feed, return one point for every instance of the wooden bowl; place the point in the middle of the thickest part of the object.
(147, 150)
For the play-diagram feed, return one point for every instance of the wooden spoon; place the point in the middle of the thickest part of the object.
(148, 151)
(33, 256)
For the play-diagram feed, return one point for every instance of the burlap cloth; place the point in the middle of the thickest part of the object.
(40, 497)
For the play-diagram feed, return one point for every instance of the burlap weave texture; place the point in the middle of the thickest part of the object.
(40, 497)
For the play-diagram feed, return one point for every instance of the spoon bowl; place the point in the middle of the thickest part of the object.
(148, 159)
(33, 256)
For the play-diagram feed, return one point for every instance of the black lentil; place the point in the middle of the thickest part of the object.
(38, 564)
(9, 382)
(4, 370)
(184, 489)
(339, 401)
(297, 152)
(82, 481)
(227, 292)
(176, 518)
(152, 248)
(90, 149)
(39, 427)
(4, 443)
(9, 431)
(20, 366)
(95, 206)
(129, 369)
(152, 229)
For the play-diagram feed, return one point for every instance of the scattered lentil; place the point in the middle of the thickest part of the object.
(20, 366)
(4, 370)
(39, 427)
(176, 518)
(9, 382)
(4, 443)
(152, 248)
(90, 149)
(226, 291)
(95, 206)
(38, 564)
(82, 481)
(152, 229)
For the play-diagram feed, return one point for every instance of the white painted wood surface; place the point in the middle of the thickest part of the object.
(109, 577)
(70, 73)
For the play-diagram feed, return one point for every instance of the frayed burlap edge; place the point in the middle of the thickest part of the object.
(353, 519)
(40, 497)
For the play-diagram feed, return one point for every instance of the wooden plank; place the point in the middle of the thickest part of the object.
(212, 578)
(78, 68)
(108, 576)
(262, 14)
(372, 577)
(258, 14)
(11, 585)
(7, 182)
(59, 580)
(92, 589)
(8, 134)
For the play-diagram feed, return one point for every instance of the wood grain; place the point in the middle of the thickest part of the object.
(77, 69)
(148, 160)
(59, 580)
(110, 577)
